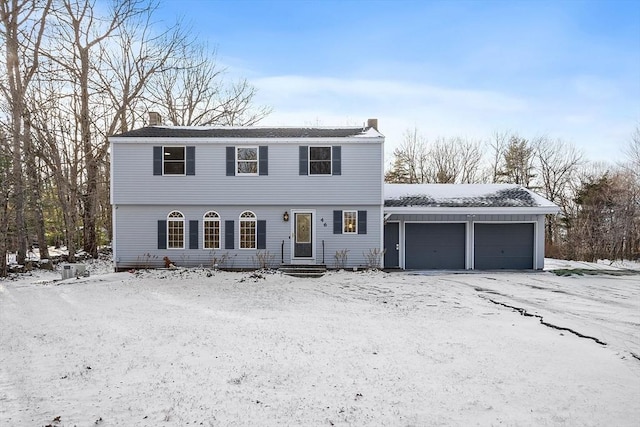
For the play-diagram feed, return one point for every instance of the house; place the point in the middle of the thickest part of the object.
(248, 197)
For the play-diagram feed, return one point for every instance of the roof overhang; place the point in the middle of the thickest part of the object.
(537, 210)
(245, 140)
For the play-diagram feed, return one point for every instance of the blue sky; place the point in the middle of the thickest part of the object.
(566, 69)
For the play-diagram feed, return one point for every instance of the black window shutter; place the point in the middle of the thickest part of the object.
(262, 234)
(336, 160)
(231, 162)
(157, 160)
(228, 234)
(162, 234)
(193, 234)
(191, 160)
(304, 162)
(263, 154)
(337, 222)
(362, 222)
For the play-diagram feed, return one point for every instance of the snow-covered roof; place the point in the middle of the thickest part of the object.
(249, 132)
(437, 197)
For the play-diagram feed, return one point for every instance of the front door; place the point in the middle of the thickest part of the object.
(303, 235)
(392, 245)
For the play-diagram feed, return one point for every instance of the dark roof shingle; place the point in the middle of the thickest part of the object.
(511, 197)
(240, 132)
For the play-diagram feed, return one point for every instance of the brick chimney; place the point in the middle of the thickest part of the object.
(372, 123)
(155, 119)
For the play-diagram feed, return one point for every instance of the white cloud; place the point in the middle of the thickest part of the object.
(435, 111)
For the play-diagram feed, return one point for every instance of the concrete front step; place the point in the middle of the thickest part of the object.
(303, 270)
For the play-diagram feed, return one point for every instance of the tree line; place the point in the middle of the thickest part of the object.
(74, 72)
(599, 202)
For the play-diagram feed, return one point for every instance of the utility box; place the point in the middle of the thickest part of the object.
(73, 270)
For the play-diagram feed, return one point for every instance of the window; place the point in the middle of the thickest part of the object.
(176, 161)
(350, 222)
(211, 230)
(248, 230)
(173, 160)
(319, 160)
(247, 160)
(175, 230)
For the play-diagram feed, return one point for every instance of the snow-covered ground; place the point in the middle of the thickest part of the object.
(195, 347)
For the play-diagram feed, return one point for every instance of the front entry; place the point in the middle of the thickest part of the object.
(392, 245)
(303, 236)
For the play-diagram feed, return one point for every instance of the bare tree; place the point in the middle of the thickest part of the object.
(498, 145)
(80, 32)
(632, 152)
(470, 158)
(454, 161)
(442, 162)
(410, 160)
(5, 186)
(557, 166)
(22, 28)
(192, 91)
(59, 147)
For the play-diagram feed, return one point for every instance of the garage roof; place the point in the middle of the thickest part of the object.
(464, 198)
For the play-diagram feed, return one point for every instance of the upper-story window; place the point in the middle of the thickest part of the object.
(248, 230)
(175, 230)
(173, 160)
(211, 230)
(247, 160)
(319, 160)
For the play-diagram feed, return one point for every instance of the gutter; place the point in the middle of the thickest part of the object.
(538, 210)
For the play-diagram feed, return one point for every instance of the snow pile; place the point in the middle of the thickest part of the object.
(199, 347)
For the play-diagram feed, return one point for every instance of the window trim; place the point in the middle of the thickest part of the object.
(184, 160)
(211, 219)
(256, 161)
(344, 222)
(253, 219)
(330, 160)
(171, 219)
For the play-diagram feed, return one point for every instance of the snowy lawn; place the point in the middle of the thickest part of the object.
(192, 347)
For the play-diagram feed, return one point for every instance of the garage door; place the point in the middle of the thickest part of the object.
(503, 246)
(434, 246)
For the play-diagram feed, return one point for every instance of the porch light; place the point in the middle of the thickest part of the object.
(285, 217)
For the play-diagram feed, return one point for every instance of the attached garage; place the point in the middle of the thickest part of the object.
(464, 226)
(434, 246)
(503, 246)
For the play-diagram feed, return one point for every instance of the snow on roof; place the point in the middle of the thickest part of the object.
(462, 195)
(249, 132)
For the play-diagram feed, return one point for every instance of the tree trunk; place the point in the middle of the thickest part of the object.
(4, 228)
(17, 108)
(90, 196)
(35, 184)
